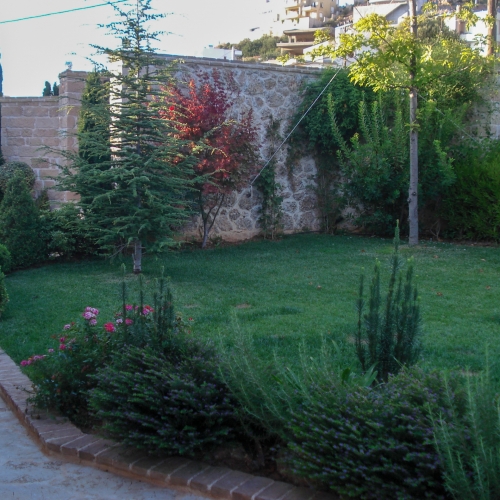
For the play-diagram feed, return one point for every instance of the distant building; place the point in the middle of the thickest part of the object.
(298, 40)
(302, 14)
(227, 54)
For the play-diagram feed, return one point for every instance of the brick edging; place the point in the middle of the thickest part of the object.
(56, 435)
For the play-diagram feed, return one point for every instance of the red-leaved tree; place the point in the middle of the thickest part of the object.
(201, 112)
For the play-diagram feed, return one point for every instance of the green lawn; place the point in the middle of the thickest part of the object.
(282, 293)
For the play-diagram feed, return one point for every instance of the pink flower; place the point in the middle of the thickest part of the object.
(51, 350)
(92, 310)
(24, 363)
(128, 307)
(62, 347)
(146, 310)
(109, 327)
(128, 321)
(119, 321)
(67, 327)
(93, 322)
(62, 340)
(88, 315)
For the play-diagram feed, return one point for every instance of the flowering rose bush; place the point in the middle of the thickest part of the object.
(64, 376)
(61, 377)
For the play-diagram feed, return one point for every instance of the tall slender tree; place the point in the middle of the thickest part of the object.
(395, 57)
(134, 198)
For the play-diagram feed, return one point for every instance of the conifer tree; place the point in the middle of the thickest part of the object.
(147, 176)
(94, 148)
(20, 226)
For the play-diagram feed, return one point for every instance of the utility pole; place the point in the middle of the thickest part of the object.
(413, 189)
(492, 29)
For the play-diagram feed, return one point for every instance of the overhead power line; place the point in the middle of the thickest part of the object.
(61, 12)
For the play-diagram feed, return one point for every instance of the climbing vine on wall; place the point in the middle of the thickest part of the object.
(314, 137)
(271, 213)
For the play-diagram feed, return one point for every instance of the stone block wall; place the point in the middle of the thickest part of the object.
(271, 92)
(34, 129)
(29, 124)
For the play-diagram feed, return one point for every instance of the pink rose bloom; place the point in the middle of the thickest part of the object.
(119, 321)
(109, 327)
(128, 321)
(92, 310)
(24, 363)
(67, 327)
(51, 350)
(129, 307)
(93, 322)
(88, 315)
(62, 340)
(62, 347)
(146, 310)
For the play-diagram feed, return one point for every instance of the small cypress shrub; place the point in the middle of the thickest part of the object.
(5, 259)
(4, 296)
(20, 226)
(390, 339)
(12, 168)
(148, 401)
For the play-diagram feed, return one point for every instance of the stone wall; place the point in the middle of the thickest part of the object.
(271, 92)
(31, 123)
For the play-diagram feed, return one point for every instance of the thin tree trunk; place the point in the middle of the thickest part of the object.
(137, 257)
(413, 189)
(492, 31)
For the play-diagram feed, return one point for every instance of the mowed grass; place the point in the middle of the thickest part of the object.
(282, 293)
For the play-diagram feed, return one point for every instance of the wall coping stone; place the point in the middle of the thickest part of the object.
(57, 436)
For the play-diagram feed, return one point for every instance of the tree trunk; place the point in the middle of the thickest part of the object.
(492, 31)
(205, 234)
(137, 257)
(413, 189)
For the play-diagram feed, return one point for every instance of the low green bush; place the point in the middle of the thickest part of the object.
(20, 225)
(65, 232)
(469, 442)
(13, 168)
(152, 402)
(5, 259)
(4, 296)
(372, 443)
(471, 207)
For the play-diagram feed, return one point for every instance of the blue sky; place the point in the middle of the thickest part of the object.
(36, 50)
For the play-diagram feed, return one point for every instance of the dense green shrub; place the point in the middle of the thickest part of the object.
(471, 207)
(151, 402)
(374, 163)
(4, 296)
(10, 169)
(66, 233)
(469, 442)
(20, 225)
(372, 443)
(5, 259)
